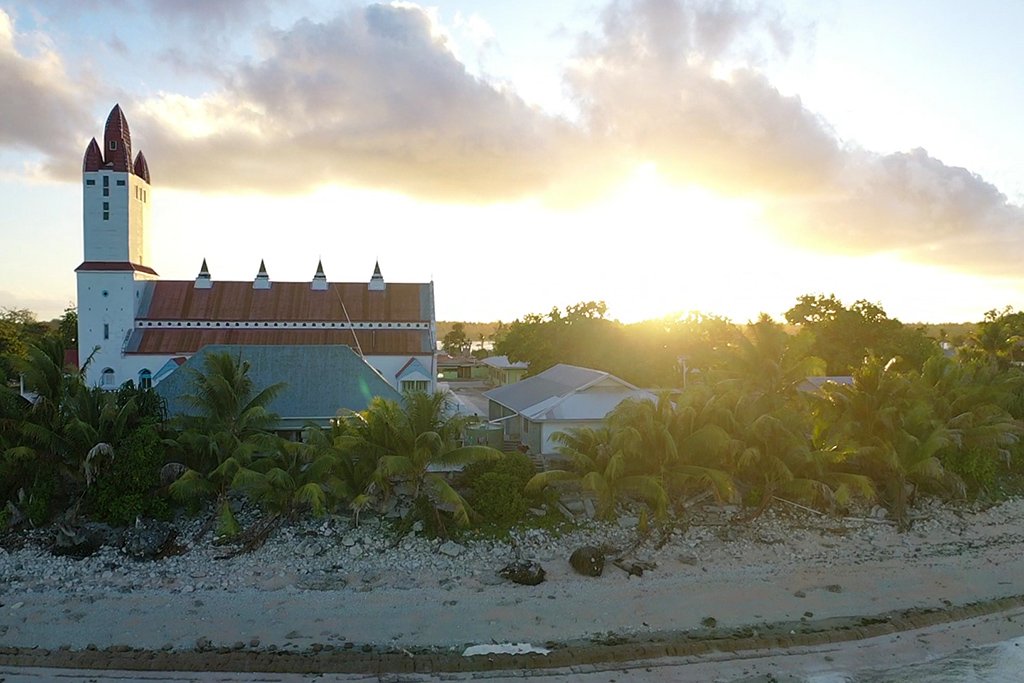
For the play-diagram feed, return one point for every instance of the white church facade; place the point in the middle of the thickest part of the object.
(132, 325)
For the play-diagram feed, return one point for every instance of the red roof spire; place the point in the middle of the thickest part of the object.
(140, 167)
(93, 157)
(117, 141)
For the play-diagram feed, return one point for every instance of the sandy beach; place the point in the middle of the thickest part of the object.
(325, 596)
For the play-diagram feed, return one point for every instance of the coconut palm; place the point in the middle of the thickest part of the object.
(231, 424)
(891, 434)
(600, 467)
(411, 443)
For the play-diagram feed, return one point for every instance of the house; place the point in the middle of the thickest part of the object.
(562, 397)
(460, 368)
(502, 371)
(136, 326)
(319, 381)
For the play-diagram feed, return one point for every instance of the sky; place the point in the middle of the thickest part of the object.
(664, 156)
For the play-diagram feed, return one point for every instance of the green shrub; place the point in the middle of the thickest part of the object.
(39, 498)
(496, 489)
(978, 469)
(498, 498)
(125, 488)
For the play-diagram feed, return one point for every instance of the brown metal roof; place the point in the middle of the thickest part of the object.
(372, 342)
(114, 266)
(288, 301)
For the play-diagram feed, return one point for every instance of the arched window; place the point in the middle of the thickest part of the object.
(145, 379)
(107, 378)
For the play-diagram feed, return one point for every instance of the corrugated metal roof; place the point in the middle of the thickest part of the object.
(320, 380)
(287, 301)
(372, 342)
(554, 382)
(586, 404)
(503, 363)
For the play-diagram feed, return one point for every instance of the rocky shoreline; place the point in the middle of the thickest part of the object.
(337, 593)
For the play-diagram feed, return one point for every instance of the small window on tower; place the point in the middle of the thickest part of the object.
(120, 183)
(106, 181)
(90, 181)
(106, 331)
(113, 144)
(106, 215)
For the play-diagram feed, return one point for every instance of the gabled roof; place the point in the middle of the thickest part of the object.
(186, 340)
(535, 395)
(287, 301)
(320, 381)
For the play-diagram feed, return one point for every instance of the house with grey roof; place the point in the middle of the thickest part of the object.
(560, 398)
(501, 371)
(319, 381)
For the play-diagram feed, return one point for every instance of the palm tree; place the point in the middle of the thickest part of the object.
(680, 441)
(603, 469)
(231, 425)
(891, 435)
(408, 443)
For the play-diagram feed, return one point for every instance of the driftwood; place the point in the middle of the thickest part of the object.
(254, 537)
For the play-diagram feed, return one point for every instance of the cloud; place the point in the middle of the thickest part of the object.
(676, 83)
(40, 107)
(373, 97)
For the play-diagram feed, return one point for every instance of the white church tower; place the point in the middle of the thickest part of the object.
(116, 196)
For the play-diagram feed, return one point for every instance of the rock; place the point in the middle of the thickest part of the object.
(627, 522)
(203, 643)
(148, 539)
(523, 572)
(171, 472)
(83, 541)
(709, 622)
(451, 549)
(587, 560)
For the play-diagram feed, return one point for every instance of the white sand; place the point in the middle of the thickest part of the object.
(776, 570)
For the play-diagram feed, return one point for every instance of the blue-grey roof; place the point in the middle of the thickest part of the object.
(319, 380)
(554, 382)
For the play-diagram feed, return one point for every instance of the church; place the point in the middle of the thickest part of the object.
(132, 325)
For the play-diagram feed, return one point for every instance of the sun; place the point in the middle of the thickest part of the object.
(686, 247)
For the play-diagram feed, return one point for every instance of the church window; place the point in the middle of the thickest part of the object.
(106, 206)
(145, 379)
(107, 377)
(90, 181)
(106, 215)
(106, 181)
(120, 183)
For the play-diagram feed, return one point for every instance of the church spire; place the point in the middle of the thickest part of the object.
(377, 281)
(203, 280)
(320, 278)
(117, 141)
(262, 280)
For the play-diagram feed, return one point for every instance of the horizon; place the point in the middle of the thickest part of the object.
(665, 156)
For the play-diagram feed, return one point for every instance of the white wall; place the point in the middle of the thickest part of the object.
(105, 299)
(390, 365)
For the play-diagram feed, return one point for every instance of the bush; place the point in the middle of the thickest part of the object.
(125, 487)
(496, 489)
(979, 470)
